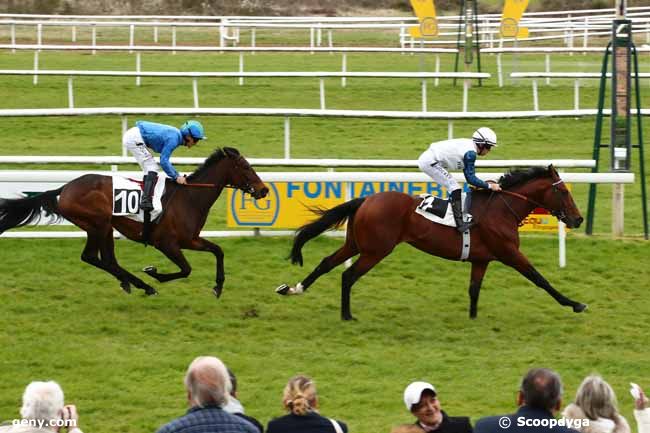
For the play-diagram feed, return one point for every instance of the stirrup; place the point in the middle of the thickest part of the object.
(465, 226)
(146, 205)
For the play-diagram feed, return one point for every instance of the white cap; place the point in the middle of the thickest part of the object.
(413, 393)
(485, 135)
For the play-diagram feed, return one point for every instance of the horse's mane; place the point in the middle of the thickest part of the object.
(515, 177)
(213, 159)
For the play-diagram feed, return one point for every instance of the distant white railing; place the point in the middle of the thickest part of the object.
(241, 75)
(576, 76)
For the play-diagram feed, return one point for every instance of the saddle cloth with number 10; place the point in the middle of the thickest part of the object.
(126, 197)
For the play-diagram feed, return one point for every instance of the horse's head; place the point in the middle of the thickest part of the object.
(559, 201)
(242, 176)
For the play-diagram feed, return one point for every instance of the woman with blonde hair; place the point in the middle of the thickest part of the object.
(596, 402)
(301, 401)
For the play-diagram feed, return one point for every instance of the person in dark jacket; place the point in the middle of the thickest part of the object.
(421, 399)
(539, 399)
(301, 401)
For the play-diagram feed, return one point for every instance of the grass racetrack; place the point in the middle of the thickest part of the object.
(121, 358)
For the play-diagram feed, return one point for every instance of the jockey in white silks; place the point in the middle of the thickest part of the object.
(458, 154)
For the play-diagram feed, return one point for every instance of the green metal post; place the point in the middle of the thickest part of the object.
(591, 209)
(639, 126)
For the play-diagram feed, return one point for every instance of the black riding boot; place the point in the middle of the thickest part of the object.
(456, 208)
(146, 203)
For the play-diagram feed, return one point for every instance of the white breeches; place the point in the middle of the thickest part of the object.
(437, 172)
(133, 141)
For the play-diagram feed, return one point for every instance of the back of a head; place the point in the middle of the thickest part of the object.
(542, 389)
(300, 395)
(207, 382)
(596, 398)
(42, 401)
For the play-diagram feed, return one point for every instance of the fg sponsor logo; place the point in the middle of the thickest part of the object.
(247, 211)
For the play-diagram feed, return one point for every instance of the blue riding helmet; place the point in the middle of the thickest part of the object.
(194, 129)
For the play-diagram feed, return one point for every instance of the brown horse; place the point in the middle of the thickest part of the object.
(88, 203)
(381, 221)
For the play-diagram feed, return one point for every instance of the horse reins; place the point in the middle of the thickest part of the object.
(557, 214)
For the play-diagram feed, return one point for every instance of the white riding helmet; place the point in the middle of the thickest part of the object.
(484, 136)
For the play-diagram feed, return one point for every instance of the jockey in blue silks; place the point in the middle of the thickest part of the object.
(163, 139)
(458, 154)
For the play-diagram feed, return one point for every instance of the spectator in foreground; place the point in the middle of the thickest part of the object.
(235, 407)
(596, 401)
(43, 411)
(207, 384)
(421, 399)
(642, 412)
(539, 399)
(301, 401)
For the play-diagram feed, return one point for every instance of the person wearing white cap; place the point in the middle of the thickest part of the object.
(458, 154)
(421, 399)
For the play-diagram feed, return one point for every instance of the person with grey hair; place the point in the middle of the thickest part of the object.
(44, 411)
(208, 386)
(596, 401)
(539, 400)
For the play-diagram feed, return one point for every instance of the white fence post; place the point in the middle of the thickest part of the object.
(70, 93)
(576, 94)
(561, 234)
(322, 93)
(344, 67)
(311, 39)
(329, 40)
(535, 97)
(253, 39)
(436, 81)
(174, 39)
(424, 95)
(155, 34)
(287, 138)
(319, 35)
(499, 70)
(547, 61)
(585, 37)
(35, 67)
(39, 34)
(131, 37)
(465, 94)
(74, 34)
(195, 92)
(241, 67)
(138, 79)
(450, 129)
(125, 126)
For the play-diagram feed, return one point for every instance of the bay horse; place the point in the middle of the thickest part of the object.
(379, 222)
(87, 202)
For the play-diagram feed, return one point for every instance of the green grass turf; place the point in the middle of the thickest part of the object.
(121, 358)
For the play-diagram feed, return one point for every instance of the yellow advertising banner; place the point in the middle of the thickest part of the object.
(287, 206)
(425, 10)
(513, 10)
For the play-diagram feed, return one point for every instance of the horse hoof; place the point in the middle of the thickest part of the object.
(579, 308)
(126, 286)
(150, 270)
(348, 317)
(283, 289)
(216, 290)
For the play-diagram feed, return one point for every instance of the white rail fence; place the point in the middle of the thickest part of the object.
(570, 24)
(423, 76)
(44, 180)
(287, 114)
(576, 76)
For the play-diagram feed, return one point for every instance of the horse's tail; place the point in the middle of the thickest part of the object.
(22, 211)
(329, 219)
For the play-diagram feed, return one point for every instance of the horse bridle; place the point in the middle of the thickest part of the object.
(559, 214)
(247, 187)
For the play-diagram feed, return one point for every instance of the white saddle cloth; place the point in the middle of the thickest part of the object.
(448, 219)
(126, 197)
